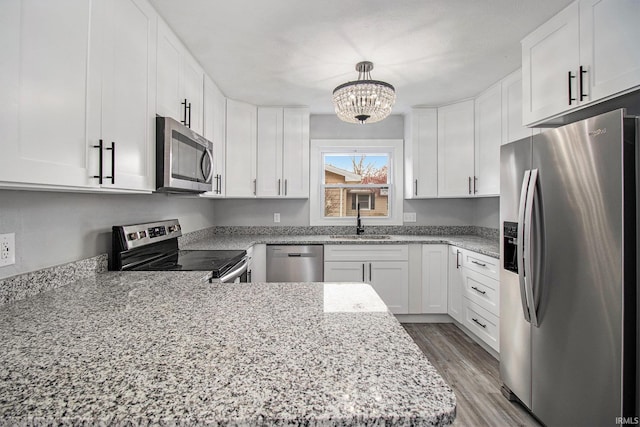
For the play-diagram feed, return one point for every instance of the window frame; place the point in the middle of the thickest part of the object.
(392, 147)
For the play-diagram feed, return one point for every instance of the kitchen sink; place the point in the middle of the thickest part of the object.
(361, 237)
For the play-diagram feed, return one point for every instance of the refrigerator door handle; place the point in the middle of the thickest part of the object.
(520, 244)
(528, 247)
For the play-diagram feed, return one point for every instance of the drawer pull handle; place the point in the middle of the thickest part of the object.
(478, 290)
(476, 320)
(479, 263)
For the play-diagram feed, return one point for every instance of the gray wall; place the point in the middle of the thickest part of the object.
(54, 228)
(483, 212)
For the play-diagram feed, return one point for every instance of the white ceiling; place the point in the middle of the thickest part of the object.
(295, 52)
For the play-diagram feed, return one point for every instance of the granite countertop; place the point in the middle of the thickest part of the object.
(166, 347)
(478, 244)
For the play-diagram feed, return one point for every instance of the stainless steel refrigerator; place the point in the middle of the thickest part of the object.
(568, 251)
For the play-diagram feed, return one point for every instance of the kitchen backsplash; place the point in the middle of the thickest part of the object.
(429, 230)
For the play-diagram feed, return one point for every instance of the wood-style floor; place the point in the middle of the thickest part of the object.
(473, 374)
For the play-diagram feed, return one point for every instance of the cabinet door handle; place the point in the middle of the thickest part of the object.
(100, 172)
(475, 185)
(184, 112)
(189, 125)
(415, 191)
(113, 162)
(220, 184)
(457, 259)
(285, 187)
(469, 185)
(570, 81)
(363, 272)
(370, 273)
(279, 186)
(582, 73)
(476, 320)
(478, 290)
(255, 187)
(478, 263)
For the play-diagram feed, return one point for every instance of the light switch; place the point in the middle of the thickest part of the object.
(276, 217)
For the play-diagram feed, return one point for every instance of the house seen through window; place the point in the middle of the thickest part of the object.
(356, 180)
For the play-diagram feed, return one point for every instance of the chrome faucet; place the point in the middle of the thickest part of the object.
(359, 226)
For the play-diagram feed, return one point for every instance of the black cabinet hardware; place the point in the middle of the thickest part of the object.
(255, 187)
(476, 320)
(478, 263)
(469, 185)
(100, 171)
(187, 113)
(582, 73)
(415, 191)
(570, 81)
(478, 290)
(475, 184)
(279, 186)
(363, 272)
(113, 162)
(457, 259)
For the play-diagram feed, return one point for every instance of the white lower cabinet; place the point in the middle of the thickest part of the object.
(474, 294)
(434, 279)
(482, 323)
(454, 302)
(384, 267)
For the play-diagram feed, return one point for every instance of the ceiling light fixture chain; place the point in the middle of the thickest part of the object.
(364, 100)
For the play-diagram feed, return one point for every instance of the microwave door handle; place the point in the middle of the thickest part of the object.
(528, 254)
(520, 244)
(207, 154)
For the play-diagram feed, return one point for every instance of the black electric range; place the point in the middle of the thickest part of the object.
(154, 247)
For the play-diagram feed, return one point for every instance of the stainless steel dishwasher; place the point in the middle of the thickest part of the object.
(295, 263)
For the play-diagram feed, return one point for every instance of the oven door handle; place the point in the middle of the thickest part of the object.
(239, 269)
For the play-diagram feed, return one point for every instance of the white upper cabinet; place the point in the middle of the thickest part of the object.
(609, 34)
(241, 153)
(269, 175)
(421, 153)
(295, 161)
(584, 54)
(79, 110)
(550, 57)
(125, 57)
(180, 87)
(43, 82)
(512, 127)
(283, 152)
(455, 150)
(488, 138)
(214, 129)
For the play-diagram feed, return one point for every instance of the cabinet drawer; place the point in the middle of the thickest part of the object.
(482, 290)
(481, 263)
(366, 253)
(482, 323)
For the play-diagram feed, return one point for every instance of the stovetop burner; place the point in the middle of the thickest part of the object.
(216, 261)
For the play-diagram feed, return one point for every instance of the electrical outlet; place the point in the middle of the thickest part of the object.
(409, 217)
(276, 217)
(7, 249)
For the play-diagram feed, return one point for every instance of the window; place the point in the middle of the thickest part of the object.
(353, 181)
(352, 174)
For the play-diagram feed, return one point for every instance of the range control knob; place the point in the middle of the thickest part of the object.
(132, 236)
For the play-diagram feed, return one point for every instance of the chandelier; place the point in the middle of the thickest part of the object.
(364, 100)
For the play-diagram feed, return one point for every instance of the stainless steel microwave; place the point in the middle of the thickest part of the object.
(184, 159)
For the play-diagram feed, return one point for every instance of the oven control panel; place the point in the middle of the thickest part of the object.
(132, 236)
